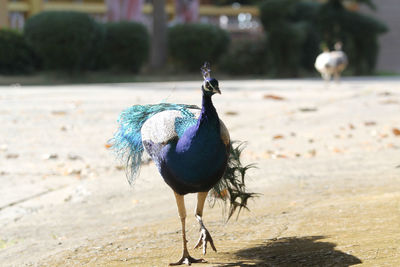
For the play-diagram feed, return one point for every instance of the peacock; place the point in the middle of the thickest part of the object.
(330, 63)
(193, 152)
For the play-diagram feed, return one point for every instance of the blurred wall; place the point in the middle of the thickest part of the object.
(389, 56)
(3, 14)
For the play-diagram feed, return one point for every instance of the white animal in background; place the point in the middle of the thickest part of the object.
(330, 63)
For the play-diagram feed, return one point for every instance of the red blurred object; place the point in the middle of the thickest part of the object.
(127, 10)
(186, 11)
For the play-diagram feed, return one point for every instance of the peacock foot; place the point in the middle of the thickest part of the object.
(204, 238)
(188, 260)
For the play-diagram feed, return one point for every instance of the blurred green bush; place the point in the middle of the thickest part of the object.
(285, 38)
(246, 57)
(189, 45)
(16, 56)
(296, 30)
(358, 32)
(294, 33)
(64, 40)
(305, 13)
(126, 46)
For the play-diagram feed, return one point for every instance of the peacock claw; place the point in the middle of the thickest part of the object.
(188, 260)
(204, 238)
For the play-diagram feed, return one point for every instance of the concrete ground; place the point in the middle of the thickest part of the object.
(328, 175)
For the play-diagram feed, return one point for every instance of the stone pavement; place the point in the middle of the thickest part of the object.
(328, 169)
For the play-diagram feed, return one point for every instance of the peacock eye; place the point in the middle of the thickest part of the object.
(208, 85)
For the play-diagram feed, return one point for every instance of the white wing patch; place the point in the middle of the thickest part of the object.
(160, 128)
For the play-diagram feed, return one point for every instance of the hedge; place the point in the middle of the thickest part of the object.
(357, 31)
(16, 56)
(64, 40)
(285, 38)
(189, 45)
(126, 46)
(296, 29)
(246, 57)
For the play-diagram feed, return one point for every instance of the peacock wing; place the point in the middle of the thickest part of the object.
(127, 140)
(170, 125)
(224, 133)
(166, 126)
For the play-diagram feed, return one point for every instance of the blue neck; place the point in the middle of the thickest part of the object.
(206, 129)
(208, 112)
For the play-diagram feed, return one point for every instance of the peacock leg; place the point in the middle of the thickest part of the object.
(337, 77)
(327, 77)
(204, 234)
(186, 258)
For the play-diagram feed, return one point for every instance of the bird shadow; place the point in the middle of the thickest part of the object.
(293, 251)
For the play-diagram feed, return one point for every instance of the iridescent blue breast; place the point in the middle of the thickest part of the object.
(189, 159)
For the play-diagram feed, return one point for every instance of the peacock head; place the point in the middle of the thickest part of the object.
(210, 85)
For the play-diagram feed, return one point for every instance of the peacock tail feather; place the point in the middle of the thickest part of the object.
(231, 188)
(127, 141)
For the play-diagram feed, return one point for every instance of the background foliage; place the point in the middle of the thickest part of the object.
(16, 56)
(126, 46)
(190, 45)
(294, 31)
(246, 57)
(358, 32)
(64, 40)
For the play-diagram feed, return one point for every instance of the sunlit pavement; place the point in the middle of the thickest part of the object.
(328, 159)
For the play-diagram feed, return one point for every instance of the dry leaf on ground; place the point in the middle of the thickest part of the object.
(119, 167)
(231, 113)
(308, 109)
(59, 112)
(278, 136)
(312, 152)
(385, 94)
(274, 97)
(337, 150)
(369, 123)
(389, 102)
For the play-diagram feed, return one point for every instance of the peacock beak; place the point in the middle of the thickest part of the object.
(216, 90)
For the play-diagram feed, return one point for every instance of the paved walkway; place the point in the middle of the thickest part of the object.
(328, 169)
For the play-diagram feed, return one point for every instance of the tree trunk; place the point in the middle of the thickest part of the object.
(159, 42)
